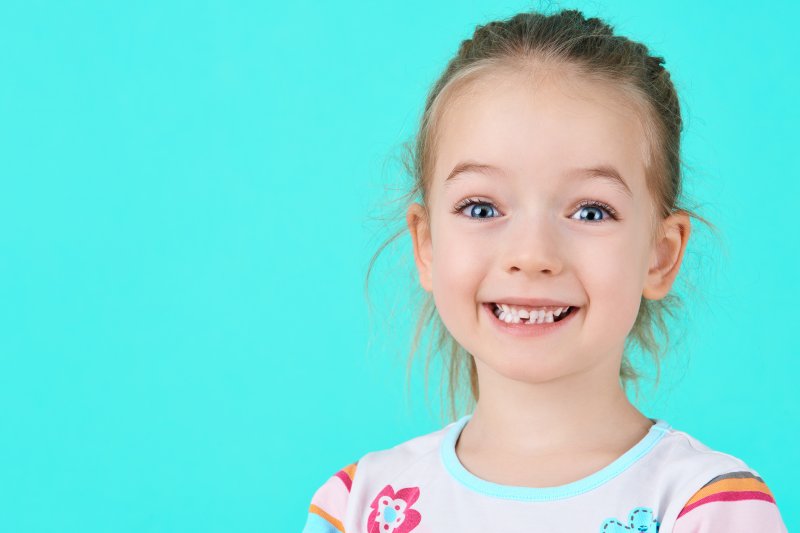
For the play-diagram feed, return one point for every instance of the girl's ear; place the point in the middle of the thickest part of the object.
(419, 227)
(667, 255)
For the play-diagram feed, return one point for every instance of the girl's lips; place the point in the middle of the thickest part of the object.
(529, 330)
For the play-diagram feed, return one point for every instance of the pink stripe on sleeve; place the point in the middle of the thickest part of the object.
(739, 516)
(332, 496)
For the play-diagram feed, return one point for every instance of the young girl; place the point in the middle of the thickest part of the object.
(548, 235)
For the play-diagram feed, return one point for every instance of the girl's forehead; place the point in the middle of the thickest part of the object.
(548, 124)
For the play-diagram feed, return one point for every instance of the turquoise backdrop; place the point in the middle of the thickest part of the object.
(190, 193)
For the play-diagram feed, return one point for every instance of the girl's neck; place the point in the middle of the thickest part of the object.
(576, 414)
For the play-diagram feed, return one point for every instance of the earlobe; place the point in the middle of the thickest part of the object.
(419, 228)
(667, 255)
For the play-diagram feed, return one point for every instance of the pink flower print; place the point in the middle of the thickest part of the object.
(392, 512)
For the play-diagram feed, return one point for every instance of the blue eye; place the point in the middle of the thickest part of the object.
(472, 202)
(594, 207)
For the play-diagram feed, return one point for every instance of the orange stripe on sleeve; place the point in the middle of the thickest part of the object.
(733, 486)
(321, 512)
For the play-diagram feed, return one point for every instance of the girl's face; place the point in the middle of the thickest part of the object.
(527, 236)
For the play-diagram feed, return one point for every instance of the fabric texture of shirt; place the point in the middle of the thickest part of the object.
(667, 482)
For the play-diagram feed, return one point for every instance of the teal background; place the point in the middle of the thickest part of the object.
(185, 183)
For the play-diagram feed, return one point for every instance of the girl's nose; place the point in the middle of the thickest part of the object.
(531, 246)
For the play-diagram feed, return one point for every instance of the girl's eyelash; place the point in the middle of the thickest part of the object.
(584, 203)
(595, 203)
(469, 201)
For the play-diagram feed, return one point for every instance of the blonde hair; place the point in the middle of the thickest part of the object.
(590, 48)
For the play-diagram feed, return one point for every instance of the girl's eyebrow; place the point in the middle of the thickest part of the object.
(602, 171)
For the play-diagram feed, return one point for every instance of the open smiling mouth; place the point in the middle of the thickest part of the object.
(531, 315)
(528, 320)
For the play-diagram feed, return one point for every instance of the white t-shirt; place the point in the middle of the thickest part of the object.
(667, 482)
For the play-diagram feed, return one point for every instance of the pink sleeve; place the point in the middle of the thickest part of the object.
(736, 502)
(328, 505)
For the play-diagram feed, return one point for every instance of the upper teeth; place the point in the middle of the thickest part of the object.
(511, 313)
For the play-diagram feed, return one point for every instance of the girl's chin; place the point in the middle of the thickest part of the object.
(525, 368)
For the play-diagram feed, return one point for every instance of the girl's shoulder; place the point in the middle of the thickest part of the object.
(331, 501)
(680, 446)
(715, 489)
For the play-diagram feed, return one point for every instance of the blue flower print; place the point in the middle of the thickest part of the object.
(640, 520)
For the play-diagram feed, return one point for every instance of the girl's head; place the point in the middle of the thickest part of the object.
(547, 166)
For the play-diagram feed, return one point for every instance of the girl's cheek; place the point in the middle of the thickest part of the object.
(614, 279)
(455, 273)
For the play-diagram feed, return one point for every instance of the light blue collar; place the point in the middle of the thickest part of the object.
(470, 480)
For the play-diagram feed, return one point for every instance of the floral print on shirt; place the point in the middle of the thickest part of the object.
(392, 512)
(640, 520)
